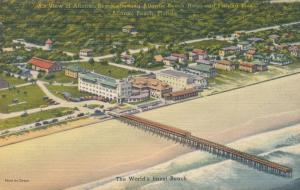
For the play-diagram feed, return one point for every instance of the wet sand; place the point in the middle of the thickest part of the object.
(90, 153)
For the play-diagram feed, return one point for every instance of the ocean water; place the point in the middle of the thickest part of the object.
(204, 171)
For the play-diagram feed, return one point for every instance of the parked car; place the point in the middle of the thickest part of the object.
(45, 122)
(80, 114)
(54, 120)
(38, 124)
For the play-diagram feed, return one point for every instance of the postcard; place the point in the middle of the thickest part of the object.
(149, 95)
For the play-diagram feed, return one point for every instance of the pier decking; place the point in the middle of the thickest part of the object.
(186, 138)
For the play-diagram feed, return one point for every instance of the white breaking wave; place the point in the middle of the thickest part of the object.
(205, 171)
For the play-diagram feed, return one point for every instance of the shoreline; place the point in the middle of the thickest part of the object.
(29, 135)
(110, 148)
(34, 134)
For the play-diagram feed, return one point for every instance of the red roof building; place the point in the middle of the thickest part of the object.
(48, 66)
(49, 42)
(200, 51)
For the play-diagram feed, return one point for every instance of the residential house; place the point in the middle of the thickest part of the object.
(294, 51)
(228, 51)
(261, 58)
(260, 66)
(156, 87)
(244, 45)
(202, 70)
(255, 40)
(170, 60)
(47, 66)
(129, 29)
(225, 65)
(158, 58)
(73, 71)
(197, 54)
(104, 86)
(181, 57)
(250, 54)
(238, 34)
(180, 80)
(279, 59)
(274, 37)
(248, 67)
(127, 59)
(86, 53)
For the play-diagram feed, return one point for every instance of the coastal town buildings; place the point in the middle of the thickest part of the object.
(156, 87)
(158, 58)
(181, 80)
(198, 54)
(248, 67)
(228, 51)
(294, 51)
(104, 86)
(203, 70)
(129, 29)
(182, 94)
(225, 65)
(86, 53)
(48, 44)
(279, 59)
(180, 57)
(47, 66)
(73, 71)
(170, 60)
(127, 59)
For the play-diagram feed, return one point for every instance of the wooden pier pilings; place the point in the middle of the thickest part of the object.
(185, 138)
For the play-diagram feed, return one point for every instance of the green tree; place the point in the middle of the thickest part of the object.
(1, 36)
(91, 61)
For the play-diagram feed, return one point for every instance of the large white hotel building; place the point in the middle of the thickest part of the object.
(104, 86)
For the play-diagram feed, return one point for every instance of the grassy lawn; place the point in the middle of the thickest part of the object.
(109, 70)
(28, 96)
(31, 118)
(73, 90)
(12, 80)
(60, 78)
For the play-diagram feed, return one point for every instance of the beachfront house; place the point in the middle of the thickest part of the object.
(294, 51)
(203, 70)
(279, 59)
(247, 67)
(225, 65)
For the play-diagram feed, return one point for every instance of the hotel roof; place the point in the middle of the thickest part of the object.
(100, 79)
(156, 84)
(75, 68)
(177, 74)
(201, 67)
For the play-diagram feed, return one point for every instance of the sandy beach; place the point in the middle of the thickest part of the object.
(90, 153)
